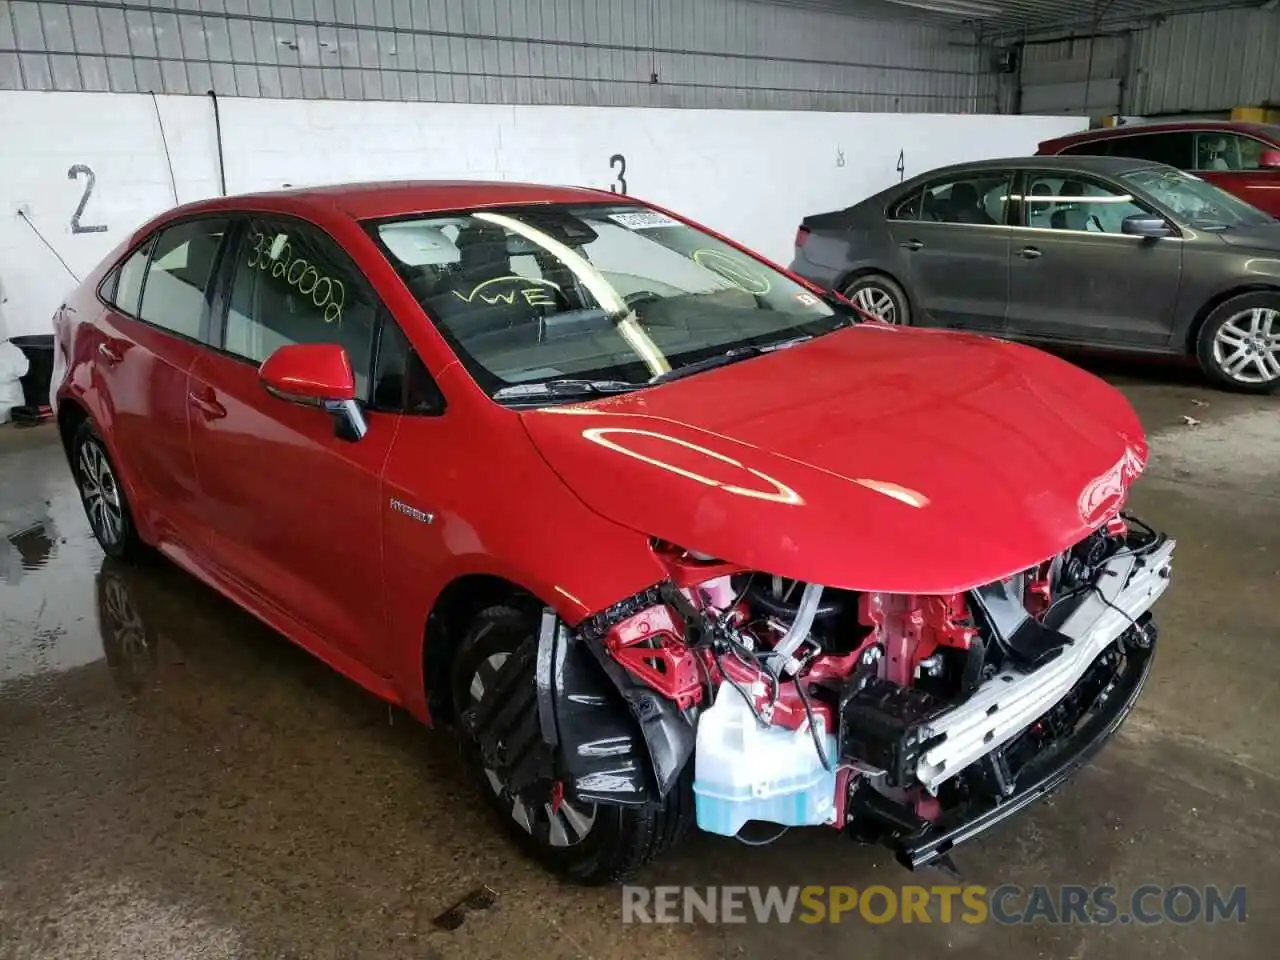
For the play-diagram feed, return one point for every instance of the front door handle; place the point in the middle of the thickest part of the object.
(207, 403)
(110, 354)
(912, 245)
(1030, 253)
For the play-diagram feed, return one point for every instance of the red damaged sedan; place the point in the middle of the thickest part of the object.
(667, 536)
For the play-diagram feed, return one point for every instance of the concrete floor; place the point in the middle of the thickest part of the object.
(177, 781)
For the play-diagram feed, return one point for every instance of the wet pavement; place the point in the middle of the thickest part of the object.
(178, 781)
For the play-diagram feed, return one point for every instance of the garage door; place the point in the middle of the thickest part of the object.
(1061, 77)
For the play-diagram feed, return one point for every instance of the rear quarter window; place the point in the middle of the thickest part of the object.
(123, 289)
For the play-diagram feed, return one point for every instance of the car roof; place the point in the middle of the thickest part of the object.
(391, 198)
(1269, 130)
(1107, 166)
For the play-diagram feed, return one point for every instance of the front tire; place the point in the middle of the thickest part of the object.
(1239, 344)
(585, 843)
(880, 296)
(102, 493)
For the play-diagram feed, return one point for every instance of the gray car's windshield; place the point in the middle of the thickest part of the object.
(1193, 201)
(551, 300)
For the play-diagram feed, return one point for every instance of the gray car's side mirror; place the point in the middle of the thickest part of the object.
(1145, 225)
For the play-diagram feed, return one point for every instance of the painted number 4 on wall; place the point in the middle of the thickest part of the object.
(76, 171)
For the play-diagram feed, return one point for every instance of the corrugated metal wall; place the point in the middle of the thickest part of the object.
(1193, 63)
(1207, 62)
(704, 53)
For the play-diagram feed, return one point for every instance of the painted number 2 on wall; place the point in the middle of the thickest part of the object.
(76, 171)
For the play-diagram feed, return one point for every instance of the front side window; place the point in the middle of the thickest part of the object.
(1228, 151)
(1060, 202)
(1193, 201)
(532, 295)
(978, 198)
(174, 295)
(292, 284)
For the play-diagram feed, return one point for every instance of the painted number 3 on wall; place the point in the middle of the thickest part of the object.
(73, 173)
(618, 163)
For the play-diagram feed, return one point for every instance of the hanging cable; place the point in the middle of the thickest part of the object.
(36, 231)
(173, 181)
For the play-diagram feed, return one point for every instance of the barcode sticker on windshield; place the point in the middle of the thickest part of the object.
(647, 220)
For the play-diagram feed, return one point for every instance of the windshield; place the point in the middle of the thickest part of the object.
(1195, 202)
(555, 294)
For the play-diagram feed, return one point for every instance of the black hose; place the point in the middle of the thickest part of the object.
(813, 730)
(785, 609)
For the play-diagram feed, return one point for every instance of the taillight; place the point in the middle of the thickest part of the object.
(802, 234)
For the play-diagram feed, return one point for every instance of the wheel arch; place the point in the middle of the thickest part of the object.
(74, 412)
(1217, 300)
(455, 606)
(71, 413)
(867, 270)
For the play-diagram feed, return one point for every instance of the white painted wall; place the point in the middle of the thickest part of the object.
(752, 175)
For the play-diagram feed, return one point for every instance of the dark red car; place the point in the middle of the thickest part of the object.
(1241, 158)
(668, 535)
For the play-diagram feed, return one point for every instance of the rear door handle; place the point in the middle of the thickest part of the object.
(110, 353)
(1030, 253)
(207, 403)
(911, 245)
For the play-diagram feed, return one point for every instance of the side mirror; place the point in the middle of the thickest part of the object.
(317, 375)
(1145, 225)
(1270, 160)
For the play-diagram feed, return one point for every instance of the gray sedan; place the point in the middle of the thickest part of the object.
(1097, 251)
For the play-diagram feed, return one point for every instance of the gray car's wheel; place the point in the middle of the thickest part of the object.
(1239, 344)
(880, 296)
(583, 842)
(102, 493)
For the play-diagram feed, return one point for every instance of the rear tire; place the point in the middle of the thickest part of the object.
(880, 296)
(588, 844)
(101, 492)
(1239, 344)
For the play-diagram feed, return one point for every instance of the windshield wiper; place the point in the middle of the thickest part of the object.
(729, 356)
(564, 388)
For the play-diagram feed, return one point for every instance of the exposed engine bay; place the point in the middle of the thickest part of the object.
(907, 719)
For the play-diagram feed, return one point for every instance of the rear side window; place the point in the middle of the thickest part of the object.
(908, 208)
(976, 198)
(1174, 149)
(128, 280)
(294, 284)
(174, 295)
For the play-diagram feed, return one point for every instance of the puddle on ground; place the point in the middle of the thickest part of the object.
(48, 564)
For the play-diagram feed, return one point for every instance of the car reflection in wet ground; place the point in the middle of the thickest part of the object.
(178, 781)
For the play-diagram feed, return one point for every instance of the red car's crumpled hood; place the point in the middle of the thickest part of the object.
(874, 458)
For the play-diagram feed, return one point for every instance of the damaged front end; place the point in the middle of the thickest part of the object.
(917, 721)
